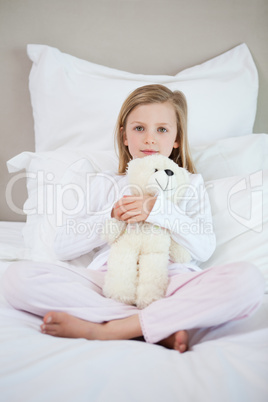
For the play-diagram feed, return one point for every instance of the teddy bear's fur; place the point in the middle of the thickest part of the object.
(137, 265)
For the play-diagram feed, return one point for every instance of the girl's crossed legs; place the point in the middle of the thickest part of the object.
(72, 304)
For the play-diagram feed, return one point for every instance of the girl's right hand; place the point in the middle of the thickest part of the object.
(133, 208)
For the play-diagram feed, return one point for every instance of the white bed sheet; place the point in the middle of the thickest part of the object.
(226, 363)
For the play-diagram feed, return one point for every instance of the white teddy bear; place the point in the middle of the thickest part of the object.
(137, 265)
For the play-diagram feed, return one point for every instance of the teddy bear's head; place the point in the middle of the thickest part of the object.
(156, 173)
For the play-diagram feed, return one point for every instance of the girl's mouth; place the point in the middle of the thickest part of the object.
(149, 151)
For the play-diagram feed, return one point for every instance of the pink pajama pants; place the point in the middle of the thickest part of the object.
(193, 299)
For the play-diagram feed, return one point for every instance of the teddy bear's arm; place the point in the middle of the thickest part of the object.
(178, 253)
(113, 229)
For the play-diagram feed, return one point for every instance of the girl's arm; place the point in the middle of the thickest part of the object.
(190, 222)
(78, 236)
(82, 233)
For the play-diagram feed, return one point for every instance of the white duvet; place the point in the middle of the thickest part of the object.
(226, 363)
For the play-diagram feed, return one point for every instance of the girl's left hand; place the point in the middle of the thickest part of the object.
(133, 209)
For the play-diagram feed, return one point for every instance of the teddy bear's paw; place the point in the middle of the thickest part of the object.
(178, 253)
(186, 256)
(141, 303)
(149, 294)
(183, 256)
(126, 299)
(119, 293)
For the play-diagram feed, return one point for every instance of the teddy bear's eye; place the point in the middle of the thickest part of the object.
(156, 170)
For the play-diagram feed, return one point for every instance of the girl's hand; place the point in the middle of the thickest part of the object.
(132, 208)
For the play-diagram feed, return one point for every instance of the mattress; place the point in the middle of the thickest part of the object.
(224, 363)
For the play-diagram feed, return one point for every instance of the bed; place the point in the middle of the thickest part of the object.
(70, 98)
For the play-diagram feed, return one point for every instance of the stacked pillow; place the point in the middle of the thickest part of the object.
(75, 103)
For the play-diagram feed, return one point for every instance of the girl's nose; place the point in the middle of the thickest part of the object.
(149, 138)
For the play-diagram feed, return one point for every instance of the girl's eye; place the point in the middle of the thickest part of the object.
(139, 128)
(162, 130)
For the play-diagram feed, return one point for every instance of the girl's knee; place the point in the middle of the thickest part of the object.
(247, 279)
(255, 278)
(14, 280)
(16, 271)
(250, 273)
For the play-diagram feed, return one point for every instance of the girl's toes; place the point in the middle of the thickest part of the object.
(52, 322)
(49, 329)
(182, 348)
(181, 341)
(48, 318)
(53, 317)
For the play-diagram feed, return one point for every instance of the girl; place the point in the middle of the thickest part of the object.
(152, 120)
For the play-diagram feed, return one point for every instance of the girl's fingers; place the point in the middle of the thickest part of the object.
(130, 214)
(133, 207)
(136, 219)
(128, 200)
(120, 203)
(123, 208)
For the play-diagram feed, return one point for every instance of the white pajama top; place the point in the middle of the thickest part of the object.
(190, 222)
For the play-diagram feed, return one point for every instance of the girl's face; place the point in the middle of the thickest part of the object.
(151, 129)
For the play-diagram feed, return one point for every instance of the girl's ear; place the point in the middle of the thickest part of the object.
(176, 144)
(124, 136)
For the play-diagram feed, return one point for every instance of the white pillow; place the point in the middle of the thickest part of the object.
(76, 103)
(240, 217)
(55, 181)
(232, 156)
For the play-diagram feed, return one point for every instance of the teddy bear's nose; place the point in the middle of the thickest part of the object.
(169, 172)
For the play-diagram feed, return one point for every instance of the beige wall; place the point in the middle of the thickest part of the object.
(140, 36)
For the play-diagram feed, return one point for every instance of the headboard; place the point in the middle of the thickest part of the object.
(139, 36)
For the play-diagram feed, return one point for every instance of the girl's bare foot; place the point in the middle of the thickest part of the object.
(178, 341)
(67, 326)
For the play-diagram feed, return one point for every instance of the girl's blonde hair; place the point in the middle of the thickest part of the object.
(155, 94)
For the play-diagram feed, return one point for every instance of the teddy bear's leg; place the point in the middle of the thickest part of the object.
(121, 278)
(152, 282)
(153, 269)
